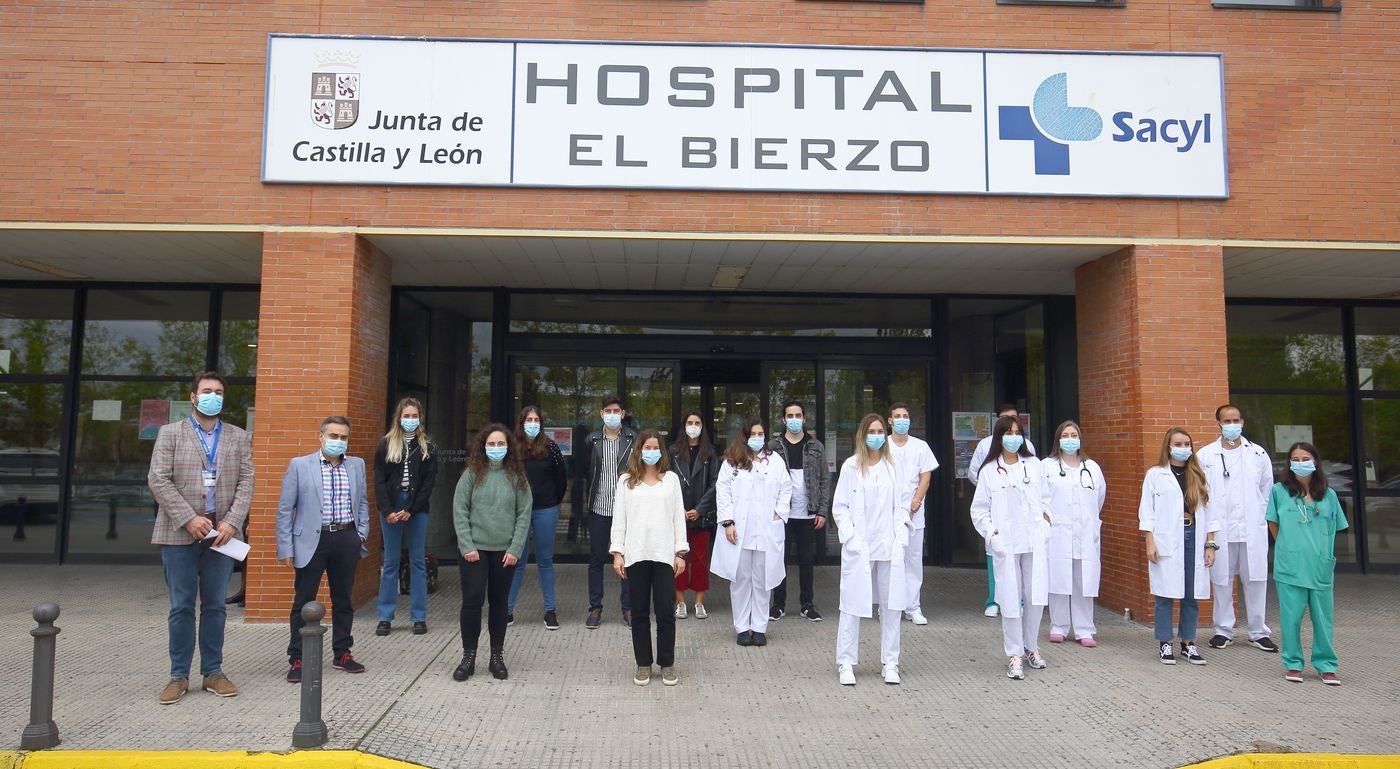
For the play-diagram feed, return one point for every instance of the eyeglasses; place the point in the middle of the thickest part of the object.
(1086, 478)
(1026, 474)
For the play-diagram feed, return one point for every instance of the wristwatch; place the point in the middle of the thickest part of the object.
(1212, 545)
(725, 524)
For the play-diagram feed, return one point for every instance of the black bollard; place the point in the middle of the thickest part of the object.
(311, 732)
(42, 732)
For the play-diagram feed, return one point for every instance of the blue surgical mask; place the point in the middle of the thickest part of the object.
(335, 448)
(532, 429)
(1012, 443)
(756, 443)
(794, 425)
(875, 441)
(1231, 432)
(210, 404)
(1303, 469)
(1069, 445)
(1181, 454)
(651, 456)
(612, 421)
(496, 453)
(409, 425)
(901, 425)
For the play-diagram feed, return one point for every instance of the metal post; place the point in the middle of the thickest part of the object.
(112, 518)
(42, 732)
(311, 732)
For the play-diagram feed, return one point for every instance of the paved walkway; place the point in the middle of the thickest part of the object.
(570, 700)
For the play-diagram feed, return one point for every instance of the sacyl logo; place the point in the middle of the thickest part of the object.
(1050, 123)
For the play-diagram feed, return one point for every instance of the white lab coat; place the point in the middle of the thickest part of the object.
(752, 498)
(1256, 472)
(995, 512)
(1162, 512)
(979, 455)
(1074, 515)
(853, 517)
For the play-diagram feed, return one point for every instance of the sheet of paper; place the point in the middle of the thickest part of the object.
(106, 411)
(236, 549)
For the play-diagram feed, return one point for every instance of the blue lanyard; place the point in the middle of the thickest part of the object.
(210, 452)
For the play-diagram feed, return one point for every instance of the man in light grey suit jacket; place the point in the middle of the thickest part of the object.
(322, 525)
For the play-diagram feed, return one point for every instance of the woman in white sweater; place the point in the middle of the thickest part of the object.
(648, 549)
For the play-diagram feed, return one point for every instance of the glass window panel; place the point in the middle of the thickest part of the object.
(117, 426)
(36, 330)
(1380, 420)
(28, 513)
(238, 334)
(1378, 348)
(1285, 347)
(1324, 418)
(1382, 530)
(650, 386)
(31, 423)
(112, 518)
(792, 383)
(734, 404)
(147, 333)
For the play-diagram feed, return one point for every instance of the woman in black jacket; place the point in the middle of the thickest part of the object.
(405, 466)
(544, 467)
(696, 461)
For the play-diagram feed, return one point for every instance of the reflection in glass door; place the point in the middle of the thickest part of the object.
(731, 405)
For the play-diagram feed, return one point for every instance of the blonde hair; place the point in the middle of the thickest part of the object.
(1197, 490)
(863, 462)
(397, 440)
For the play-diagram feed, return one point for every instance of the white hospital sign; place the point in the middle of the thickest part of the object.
(735, 117)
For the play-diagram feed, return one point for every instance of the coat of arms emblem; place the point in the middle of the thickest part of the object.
(335, 90)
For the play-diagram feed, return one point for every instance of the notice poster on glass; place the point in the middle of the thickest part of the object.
(971, 425)
(180, 410)
(4, 361)
(962, 457)
(564, 436)
(154, 415)
(1287, 435)
(106, 411)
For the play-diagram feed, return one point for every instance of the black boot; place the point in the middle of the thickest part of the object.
(468, 666)
(498, 665)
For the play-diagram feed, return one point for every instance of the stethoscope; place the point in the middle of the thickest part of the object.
(1026, 473)
(1083, 471)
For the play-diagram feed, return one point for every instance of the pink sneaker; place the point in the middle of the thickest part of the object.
(1056, 638)
(1088, 642)
(1331, 679)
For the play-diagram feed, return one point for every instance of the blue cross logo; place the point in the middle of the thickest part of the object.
(1052, 116)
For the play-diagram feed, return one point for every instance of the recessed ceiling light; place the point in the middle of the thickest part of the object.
(729, 277)
(57, 272)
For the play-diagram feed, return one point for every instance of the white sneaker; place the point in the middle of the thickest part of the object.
(917, 617)
(992, 611)
(891, 674)
(1014, 669)
(680, 610)
(847, 674)
(1035, 660)
(700, 612)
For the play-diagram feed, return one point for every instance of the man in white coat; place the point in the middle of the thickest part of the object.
(1241, 476)
(979, 455)
(915, 463)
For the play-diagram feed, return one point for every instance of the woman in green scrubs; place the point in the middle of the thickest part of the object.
(1304, 516)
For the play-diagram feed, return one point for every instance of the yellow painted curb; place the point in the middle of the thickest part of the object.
(195, 759)
(1300, 761)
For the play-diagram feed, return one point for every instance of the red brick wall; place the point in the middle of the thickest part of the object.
(1151, 324)
(151, 111)
(323, 349)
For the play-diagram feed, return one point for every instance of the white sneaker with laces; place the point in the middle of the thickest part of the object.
(891, 673)
(1035, 660)
(1014, 669)
(680, 610)
(847, 675)
(917, 617)
(992, 611)
(700, 612)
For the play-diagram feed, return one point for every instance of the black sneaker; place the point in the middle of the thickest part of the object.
(420, 628)
(382, 628)
(510, 618)
(1192, 654)
(551, 620)
(1266, 643)
(760, 639)
(294, 672)
(1164, 653)
(811, 613)
(347, 663)
(745, 638)
(1218, 641)
(627, 618)
(775, 614)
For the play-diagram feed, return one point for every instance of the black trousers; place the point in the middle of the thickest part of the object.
(802, 543)
(336, 556)
(487, 579)
(652, 586)
(600, 556)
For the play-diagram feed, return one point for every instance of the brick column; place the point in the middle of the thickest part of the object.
(1151, 326)
(323, 349)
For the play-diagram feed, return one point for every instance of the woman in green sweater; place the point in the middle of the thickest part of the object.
(491, 511)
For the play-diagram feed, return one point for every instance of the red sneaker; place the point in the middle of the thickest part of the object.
(1331, 679)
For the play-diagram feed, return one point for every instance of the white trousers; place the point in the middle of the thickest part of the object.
(914, 571)
(1255, 596)
(1020, 634)
(848, 625)
(1075, 608)
(747, 596)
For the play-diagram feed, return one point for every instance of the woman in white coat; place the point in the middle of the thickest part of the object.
(874, 529)
(1008, 511)
(752, 498)
(1074, 495)
(1175, 516)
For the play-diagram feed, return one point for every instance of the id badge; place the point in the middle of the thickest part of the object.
(208, 479)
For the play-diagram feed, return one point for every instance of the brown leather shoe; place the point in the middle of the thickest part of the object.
(220, 685)
(174, 690)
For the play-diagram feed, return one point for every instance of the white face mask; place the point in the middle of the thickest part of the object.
(692, 431)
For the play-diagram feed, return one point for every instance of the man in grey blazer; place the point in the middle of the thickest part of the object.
(322, 525)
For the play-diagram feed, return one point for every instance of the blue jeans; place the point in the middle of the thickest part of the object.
(1190, 611)
(189, 570)
(416, 528)
(543, 522)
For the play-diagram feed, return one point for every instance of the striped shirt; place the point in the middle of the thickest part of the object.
(407, 450)
(607, 477)
(335, 493)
